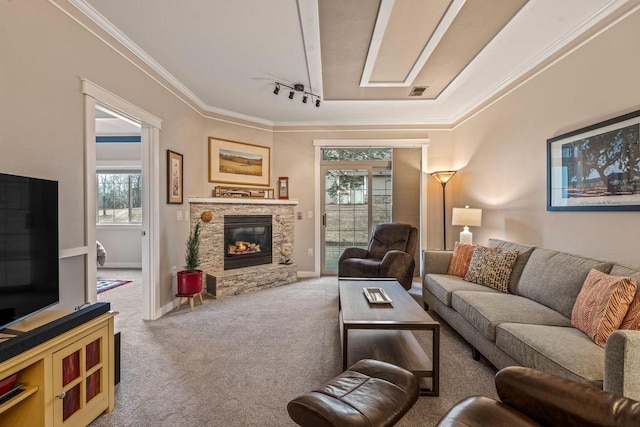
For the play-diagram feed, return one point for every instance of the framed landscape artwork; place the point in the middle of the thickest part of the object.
(596, 168)
(174, 175)
(238, 162)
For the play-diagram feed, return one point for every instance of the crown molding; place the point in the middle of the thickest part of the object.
(340, 142)
(439, 122)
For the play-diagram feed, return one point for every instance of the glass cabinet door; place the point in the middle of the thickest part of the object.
(80, 378)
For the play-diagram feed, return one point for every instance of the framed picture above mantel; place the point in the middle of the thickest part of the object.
(596, 168)
(235, 162)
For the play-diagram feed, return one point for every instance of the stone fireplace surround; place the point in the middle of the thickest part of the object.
(241, 280)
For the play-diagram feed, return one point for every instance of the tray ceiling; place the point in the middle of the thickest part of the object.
(363, 57)
(396, 45)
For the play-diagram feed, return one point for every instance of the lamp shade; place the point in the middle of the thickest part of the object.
(466, 216)
(443, 176)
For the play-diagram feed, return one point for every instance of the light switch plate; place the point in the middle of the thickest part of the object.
(179, 215)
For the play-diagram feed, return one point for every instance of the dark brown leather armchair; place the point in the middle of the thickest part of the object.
(390, 254)
(533, 398)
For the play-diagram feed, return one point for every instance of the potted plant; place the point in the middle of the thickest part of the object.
(190, 280)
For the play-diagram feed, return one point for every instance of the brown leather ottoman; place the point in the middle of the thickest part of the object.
(369, 393)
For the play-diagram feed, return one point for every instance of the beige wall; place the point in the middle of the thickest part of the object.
(45, 54)
(502, 150)
(406, 190)
(294, 157)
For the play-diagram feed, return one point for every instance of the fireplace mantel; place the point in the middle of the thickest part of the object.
(242, 201)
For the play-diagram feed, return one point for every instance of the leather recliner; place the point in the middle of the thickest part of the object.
(533, 398)
(390, 254)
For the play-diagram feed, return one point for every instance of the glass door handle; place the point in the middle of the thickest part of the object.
(324, 220)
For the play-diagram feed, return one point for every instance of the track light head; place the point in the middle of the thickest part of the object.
(317, 102)
(291, 95)
(277, 89)
(304, 99)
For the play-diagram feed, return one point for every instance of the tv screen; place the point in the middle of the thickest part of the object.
(28, 246)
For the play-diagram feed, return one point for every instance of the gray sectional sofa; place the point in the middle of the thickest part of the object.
(531, 325)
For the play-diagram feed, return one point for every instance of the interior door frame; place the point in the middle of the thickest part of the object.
(318, 144)
(150, 142)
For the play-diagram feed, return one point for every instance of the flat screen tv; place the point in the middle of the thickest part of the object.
(28, 246)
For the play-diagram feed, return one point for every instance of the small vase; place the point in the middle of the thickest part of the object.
(189, 282)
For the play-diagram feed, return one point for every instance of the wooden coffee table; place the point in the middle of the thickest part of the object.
(383, 331)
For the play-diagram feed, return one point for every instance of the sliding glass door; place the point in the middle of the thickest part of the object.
(356, 195)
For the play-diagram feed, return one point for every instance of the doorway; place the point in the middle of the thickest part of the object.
(149, 171)
(119, 211)
(356, 195)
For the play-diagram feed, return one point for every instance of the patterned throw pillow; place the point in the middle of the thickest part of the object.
(498, 276)
(479, 263)
(602, 304)
(459, 264)
(632, 319)
(491, 267)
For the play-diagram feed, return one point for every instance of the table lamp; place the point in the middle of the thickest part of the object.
(466, 217)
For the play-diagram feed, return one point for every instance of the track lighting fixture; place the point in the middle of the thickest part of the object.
(298, 87)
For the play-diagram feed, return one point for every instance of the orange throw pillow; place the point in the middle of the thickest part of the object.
(459, 264)
(632, 319)
(602, 304)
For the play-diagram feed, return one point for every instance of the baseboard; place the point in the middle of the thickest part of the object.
(121, 265)
(168, 307)
(307, 274)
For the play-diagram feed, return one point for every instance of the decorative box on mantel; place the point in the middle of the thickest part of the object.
(212, 243)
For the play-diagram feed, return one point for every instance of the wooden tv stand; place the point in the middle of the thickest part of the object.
(68, 379)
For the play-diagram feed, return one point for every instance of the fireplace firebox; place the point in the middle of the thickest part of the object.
(247, 240)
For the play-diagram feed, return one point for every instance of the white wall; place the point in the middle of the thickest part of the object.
(123, 244)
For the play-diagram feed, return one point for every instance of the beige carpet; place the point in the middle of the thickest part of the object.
(237, 361)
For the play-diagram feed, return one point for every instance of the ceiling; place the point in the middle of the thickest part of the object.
(110, 123)
(363, 58)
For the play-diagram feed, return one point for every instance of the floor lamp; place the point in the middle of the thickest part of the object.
(443, 177)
